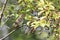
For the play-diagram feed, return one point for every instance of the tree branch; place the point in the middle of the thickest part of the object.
(15, 25)
(3, 8)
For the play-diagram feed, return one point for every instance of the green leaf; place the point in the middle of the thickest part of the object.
(28, 17)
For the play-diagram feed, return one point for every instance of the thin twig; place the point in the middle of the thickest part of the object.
(15, 25)
(3, 8)
(7, 34)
